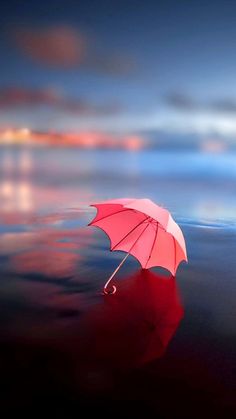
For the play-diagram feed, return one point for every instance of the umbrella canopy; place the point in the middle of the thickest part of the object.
(135, 326)
(144, 230)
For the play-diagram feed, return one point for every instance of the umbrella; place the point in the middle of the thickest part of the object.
(144, 230)
(135, 326)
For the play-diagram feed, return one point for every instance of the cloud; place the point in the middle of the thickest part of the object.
(183, 102)
(225, 105)
(116, 64)
(54, 46)
(17, 97)
(64, 47)
(48, 108)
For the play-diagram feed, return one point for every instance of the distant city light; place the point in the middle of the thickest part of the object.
(66, 139)
(213, 146)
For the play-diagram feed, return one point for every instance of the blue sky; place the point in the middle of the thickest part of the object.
(136, 56)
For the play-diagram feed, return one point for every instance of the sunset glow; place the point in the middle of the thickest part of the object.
(82, 139)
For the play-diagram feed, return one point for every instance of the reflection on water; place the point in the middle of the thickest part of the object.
(87, 347)
(16, 196)
(53, 263)
(16, 189)
(62, 342)
(135, 325)
(39, 180)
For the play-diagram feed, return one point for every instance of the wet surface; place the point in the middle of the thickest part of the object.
(161, 346)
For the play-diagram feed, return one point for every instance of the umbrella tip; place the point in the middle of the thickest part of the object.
(107, 291)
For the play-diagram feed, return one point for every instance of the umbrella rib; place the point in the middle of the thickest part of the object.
(131, 231)
(118, 267)
(174, 252)
(109, 215)
(153, 244)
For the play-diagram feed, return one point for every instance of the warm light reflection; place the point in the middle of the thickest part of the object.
(24, 196)
(7, 189)
(21, 194)
(44, 239)
(17, 196)
(81, 139)
(7, 196)
(48, 262)
(48, 251)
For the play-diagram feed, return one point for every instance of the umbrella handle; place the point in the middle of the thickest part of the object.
(121, 263)
(105, 290)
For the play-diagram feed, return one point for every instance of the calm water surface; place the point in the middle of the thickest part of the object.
(163, 346)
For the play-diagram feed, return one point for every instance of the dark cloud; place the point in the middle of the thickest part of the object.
(224, 105)
(117, 64)
(65, 47)
(182, 101)
(16, 97)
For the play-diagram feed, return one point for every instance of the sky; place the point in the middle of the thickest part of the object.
(119, 65)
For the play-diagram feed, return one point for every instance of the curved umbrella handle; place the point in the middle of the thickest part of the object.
(106, 292)
(105, 289)
(123, 260)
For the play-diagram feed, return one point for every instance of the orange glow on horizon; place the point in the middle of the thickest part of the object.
(12, 135)
(133, 143)
(82, 139)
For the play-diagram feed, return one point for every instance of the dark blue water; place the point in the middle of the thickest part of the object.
(63, 347)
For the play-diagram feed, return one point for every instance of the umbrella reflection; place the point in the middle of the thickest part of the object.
(91, 347)
(135, 325)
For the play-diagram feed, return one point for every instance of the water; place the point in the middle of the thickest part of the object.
(163, 346)
(192, 185)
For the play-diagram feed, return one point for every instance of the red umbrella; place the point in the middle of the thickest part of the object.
(134, 326)
(144, 230)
